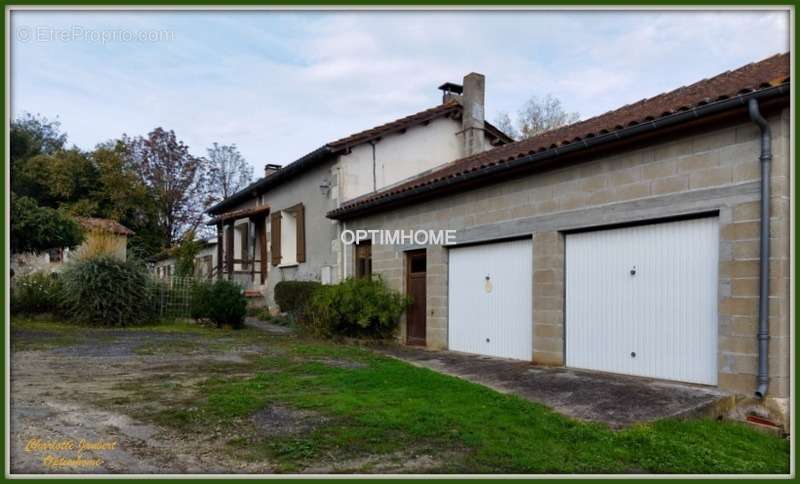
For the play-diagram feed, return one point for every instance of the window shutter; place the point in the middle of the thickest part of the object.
(244, 246)
(229, 250)
(275, 229)
(261, 229)
(300, 218)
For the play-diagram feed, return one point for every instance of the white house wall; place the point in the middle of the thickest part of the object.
(400, 156)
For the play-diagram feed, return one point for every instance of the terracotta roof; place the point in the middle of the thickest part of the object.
(239, 214)
(752, 77)
(451, 108)
(103, 225)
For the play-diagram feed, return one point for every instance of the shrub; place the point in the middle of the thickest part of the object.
(226, 304)
(201, 298)
(36, 293)
(261, 313)
(355, 307)
(107, 291)
(291, 296)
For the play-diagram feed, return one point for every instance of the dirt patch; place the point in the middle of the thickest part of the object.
(406, 462)
(92, 391)
(277, 420)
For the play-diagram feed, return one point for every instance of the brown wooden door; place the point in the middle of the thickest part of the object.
(415, 288)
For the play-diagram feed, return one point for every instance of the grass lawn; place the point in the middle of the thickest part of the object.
(374, 405)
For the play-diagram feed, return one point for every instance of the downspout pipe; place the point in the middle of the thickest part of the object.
(765, 158)
(374, 168)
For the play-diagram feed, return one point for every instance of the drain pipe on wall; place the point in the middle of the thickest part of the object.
(765, 159)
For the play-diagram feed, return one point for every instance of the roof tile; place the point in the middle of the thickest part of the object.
(758, 75)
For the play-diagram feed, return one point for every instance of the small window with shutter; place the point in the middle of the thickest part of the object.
(364, 259)
(290, 236)
(275, 238)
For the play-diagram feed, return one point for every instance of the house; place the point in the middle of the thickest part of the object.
(205, 262)
(276, 229)
(100, 235)
(627, 243)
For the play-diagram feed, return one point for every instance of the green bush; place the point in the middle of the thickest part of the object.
(226, 304)
(261, 313)
(107, 291)
(292, 296)
(36, 293)
(201, 298)
(355, 307)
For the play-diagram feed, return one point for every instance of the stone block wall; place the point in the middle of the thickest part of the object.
(711, 171)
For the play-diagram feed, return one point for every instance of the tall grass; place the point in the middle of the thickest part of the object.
(98, 244)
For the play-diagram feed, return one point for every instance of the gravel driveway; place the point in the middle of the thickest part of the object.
(68, 412)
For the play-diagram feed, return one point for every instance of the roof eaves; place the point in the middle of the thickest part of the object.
(320, 154)
(411, 190)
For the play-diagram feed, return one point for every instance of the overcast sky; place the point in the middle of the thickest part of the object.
(280, 84)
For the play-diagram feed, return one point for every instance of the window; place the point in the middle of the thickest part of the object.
(364, 259)
(244, 254)
(56, 255)
(418, 264)
(203, 266)
(288, 236)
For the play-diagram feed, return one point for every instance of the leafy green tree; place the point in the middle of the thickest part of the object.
(63, 178)
(185, 253)
(33, 135)
(121, 195)
(36, 229)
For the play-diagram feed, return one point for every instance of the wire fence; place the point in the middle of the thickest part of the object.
(173, 296)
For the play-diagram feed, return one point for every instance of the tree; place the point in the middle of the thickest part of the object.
(122, 195)
(33, 135)
(228, 171)
(503, 123)
(537, 116)
(62, 178)
(176, 179)
(36, 229)
(185, 253)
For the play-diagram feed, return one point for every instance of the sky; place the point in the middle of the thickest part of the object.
(280, 84)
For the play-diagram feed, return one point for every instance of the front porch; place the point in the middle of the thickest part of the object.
(242, 247)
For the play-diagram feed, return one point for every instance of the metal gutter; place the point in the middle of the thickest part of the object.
(586, 143)
(765, 158)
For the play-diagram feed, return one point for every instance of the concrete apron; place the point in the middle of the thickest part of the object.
(616, 400)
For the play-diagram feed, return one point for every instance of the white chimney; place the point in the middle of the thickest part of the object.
(473, 119)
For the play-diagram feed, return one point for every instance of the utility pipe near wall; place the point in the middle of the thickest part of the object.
(374, 168)
(765, 159)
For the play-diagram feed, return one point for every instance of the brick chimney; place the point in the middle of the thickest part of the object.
(271, 168)
(472, 121)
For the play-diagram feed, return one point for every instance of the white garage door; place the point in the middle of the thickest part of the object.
(643, 300)
(490, 299)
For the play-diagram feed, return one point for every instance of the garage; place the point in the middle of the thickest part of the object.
(642, 300)
(490, 299)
